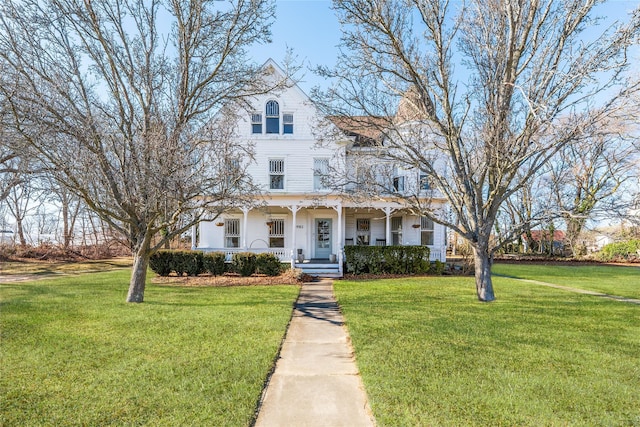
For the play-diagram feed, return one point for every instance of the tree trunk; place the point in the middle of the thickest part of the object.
(138, 276)
(20, 229)
(66, 234)
(574, 228)
(484, 285)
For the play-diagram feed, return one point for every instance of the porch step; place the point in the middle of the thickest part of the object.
(324, 270)
(307, 265)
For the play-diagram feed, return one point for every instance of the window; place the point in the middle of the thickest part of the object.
(398, 183)
(276, 174)
(273, 117)
(256, 123)
(320, 171)
(276, 233)
(361, 178)
(287, 123)
(233, 174)
(396, 230)
(423, 181)
(363, 231)
(426, 231)
(231, 233)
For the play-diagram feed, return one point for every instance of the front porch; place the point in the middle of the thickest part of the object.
(312, 237)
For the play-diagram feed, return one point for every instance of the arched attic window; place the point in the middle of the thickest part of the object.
(273, 117)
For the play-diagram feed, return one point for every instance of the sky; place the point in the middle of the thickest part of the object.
(311, 29)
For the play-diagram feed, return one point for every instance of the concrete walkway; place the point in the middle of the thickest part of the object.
(316, 382)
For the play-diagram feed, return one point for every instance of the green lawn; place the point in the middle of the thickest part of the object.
(613, 280)
(431, 355)
(74, 353)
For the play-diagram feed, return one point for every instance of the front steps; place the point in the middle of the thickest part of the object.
(319, 268)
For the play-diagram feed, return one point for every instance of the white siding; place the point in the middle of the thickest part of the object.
(298, 151)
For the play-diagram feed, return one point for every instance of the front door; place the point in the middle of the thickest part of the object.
(323, 238)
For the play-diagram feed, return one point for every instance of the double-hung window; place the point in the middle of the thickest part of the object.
(423, 181)
(398, 180)
(273, 117)
(398, 184)
(256, 123)
(276, 233)
(287, 123)
(233, 174)
(232, 233)
(320, 172)
(426, 231)
(276, 174)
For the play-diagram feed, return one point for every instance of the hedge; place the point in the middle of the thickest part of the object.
(268, 264)
(161, 263)
(190, 262)
(387, 259)
(244, 263)
(620, 250)
(214, 263)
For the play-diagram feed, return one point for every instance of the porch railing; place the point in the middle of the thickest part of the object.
(288, 255)
(283, 254)
(437, 254)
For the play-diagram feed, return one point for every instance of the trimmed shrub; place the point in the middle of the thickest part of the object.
(189, 262)
(244, 263)
(620, 250)
(213, 262)
(387, 259)
(437, 267)
(268, 264)
(177, 263)
(161, 262)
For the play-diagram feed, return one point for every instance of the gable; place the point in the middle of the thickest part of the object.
(284, 113)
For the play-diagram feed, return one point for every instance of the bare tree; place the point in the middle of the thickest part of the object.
(117, 98)
(9, 173)
(490, 92)
(69, 207)
(586, 177)
(527, 208)
(10, 152)
(23, 198)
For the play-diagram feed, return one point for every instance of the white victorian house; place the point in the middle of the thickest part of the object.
(297, 216)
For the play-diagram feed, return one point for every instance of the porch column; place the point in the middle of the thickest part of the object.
(194, 237)
(245, 221)
(294, 252)
(340, 239)
(294, 213)
(338, 209)
(388, 211)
